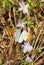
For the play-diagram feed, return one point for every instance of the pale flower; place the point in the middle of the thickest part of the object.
(28, 59)
(27, 47)
(24, 7)
(21, 24)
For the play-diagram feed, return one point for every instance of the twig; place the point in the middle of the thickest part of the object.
(14, 15)
(38, 38)
(39, 56)
(10, 17)
(41, 61)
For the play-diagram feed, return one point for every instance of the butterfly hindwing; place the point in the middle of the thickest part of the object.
(23, 36)
(17, 35)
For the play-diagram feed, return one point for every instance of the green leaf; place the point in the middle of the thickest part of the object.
(5, 43)
(0, 62)
(17, 12)
(31, 5)
(3, 3)
(13, 28)
(38, 3)
(35, 28)
(0, 11)
(7, 6)
(38, 51)
(32, 63)
(0, 2)
(28, 1)
(26, 63)
(0, 35)
(30, 23)
(11, 1)
(39, 15)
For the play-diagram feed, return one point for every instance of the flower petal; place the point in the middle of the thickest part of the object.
(20, 9)
(23, 3)
(20, 4)
(25, 11)
(27, 5)
(28, 59)
(18, 25)
(30, 48)
(24, 50)
(27, 47)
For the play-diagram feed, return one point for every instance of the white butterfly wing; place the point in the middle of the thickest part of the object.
(17, 35)
(23, 36)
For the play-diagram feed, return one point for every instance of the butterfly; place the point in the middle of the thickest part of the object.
(20, 37)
